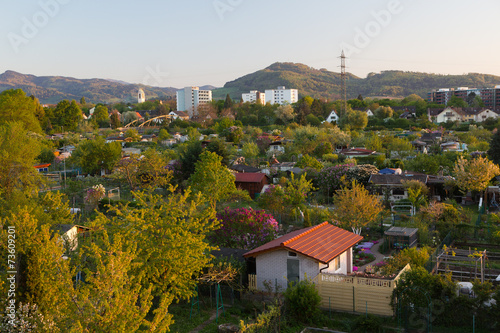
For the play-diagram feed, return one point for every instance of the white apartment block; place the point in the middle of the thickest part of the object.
(189, 98)
(254, 96)
(282, 95)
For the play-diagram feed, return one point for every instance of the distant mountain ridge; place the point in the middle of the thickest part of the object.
(52, 89)
(317, 83)
(321, 83)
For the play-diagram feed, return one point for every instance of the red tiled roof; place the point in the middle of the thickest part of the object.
(249, 177)
(322, 242)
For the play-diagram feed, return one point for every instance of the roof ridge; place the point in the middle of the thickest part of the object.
(303, 233)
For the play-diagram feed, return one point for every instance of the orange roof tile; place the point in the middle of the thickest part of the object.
(322, 242)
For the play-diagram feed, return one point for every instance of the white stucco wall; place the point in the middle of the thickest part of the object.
(272, 266)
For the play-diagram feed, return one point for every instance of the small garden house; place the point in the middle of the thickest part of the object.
(399, 237)
(305, 252)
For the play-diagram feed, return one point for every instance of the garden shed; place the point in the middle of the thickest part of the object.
(401, 237)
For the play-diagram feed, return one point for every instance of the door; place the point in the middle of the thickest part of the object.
(292, 270)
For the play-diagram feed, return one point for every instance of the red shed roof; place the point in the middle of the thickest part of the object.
(249, 177)
(322, 242)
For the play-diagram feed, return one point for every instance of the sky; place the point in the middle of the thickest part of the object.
(171, 43)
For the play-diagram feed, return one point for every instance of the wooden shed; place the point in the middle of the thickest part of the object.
(251, 182)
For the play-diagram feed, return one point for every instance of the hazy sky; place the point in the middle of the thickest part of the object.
(197, 42)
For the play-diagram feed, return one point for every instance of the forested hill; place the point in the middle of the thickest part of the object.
(321, 83)
(52, 89)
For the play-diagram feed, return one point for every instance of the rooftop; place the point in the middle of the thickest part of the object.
(322, 242)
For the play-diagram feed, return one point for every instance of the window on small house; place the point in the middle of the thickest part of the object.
(336, 263)
(292, 254)
(398, 191)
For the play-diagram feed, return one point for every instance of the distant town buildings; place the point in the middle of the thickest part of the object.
(489, 96)
(141, 96)
(253, 96)
(189, 98)
(282, 95)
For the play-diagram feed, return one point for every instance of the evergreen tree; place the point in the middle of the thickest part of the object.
(228, 103)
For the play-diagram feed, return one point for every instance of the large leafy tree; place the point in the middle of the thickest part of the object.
(212, 179)
(355, 207)
(149, 170)
(170, 234)
(18, 152)
(474, 174)
(15, 106)
(101, 115)
(95, 155)
(67, 114)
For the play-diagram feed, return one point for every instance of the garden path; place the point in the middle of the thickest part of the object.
(378, 256)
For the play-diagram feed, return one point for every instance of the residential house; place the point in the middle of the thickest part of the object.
(332, 117)
(251, 182)
(322, 248)
(440, 115)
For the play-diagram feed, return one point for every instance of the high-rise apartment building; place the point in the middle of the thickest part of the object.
(282, 95)
(489, 96)
(189, 98)
(253, 96)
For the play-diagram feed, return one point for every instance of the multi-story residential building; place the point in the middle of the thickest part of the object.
(189, 98)
(282, 95)
(489, 96)
(253, 96)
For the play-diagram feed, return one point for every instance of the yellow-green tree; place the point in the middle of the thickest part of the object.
(212, 179)
(15, 106)
(355, 207)
(474, 174)
(18, 152)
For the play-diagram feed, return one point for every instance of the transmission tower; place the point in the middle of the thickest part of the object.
(343, 78)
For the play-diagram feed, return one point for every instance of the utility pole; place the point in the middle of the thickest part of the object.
(343, 78)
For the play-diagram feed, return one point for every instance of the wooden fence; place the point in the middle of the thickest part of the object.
(357, 294)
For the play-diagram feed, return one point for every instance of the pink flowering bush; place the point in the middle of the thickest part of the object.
(330, 179)
(244, 228)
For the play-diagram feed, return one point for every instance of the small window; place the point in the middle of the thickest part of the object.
(292, 254)
(336, 263)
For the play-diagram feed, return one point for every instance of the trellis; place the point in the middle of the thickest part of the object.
(215, 276)
(462, 258)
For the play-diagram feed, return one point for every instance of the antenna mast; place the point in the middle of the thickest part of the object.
(343, 78)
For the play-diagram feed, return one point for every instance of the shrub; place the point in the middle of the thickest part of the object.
(302, 300)
(244, 228)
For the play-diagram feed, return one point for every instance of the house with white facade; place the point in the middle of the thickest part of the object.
(444, 115)
(484, 114)
(304, 253)
(189, 98)
(254, 96)
(332, 117)
(281, 95)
